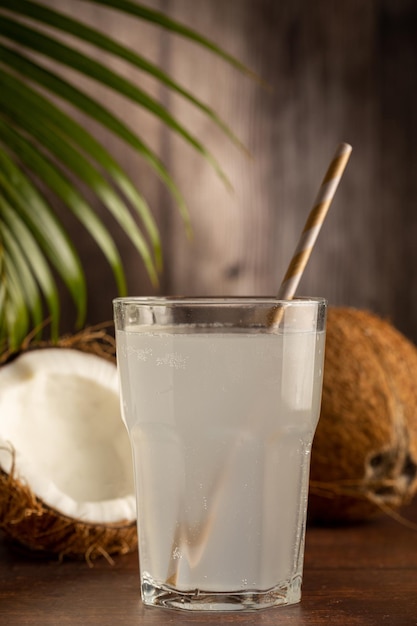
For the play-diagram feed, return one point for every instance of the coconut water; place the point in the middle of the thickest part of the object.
(221, 425)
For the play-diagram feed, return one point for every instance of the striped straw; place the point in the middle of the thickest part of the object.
(314, 222)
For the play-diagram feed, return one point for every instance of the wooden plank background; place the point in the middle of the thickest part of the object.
(336, 71)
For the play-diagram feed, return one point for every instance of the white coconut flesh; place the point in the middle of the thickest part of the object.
(60, 414)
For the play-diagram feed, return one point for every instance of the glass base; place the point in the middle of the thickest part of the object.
(201, 600)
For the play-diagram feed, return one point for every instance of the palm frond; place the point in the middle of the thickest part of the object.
(26, 202)
(30, 253)
(38, 125)
(63, 89)
(42, 146)
(29, 286)
(158, 18)
(73, 132)
(61, 53)
(46, 15)
(59, 183)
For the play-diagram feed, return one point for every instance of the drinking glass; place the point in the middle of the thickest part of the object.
(221, 398)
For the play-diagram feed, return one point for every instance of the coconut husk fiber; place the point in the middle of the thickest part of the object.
(95, 340)
(35, 526)
(46, 532)
(364, 456)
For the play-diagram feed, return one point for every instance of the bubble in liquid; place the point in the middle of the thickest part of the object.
(172, 359)
(176, 553)
(141, 355)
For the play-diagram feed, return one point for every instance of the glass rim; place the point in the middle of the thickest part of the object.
(173, 301)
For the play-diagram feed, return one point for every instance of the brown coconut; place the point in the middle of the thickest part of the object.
(45, 532)
(364, 456)
(40, 529)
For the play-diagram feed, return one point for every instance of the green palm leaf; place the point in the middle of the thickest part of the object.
(15, 311)
(73, 132)
(59, 183)
(96, 111)
(30, 290)
(30, 253)
(34, 211)
(150, 15)
(62, 53)
(73, 27)
(41, 146)
(35, 122)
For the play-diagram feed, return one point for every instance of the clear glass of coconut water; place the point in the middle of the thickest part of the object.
(221, 398)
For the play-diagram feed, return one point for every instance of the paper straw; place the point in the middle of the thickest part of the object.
(314, 222)
(326, 193)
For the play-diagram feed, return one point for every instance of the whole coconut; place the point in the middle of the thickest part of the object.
(364, 457)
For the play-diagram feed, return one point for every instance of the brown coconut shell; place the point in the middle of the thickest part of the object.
(40, 529)
(44, 531)
(364, 456)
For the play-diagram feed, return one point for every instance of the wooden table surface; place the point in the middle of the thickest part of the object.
(362, 574)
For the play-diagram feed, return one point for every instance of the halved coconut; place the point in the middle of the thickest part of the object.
(66, 476)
